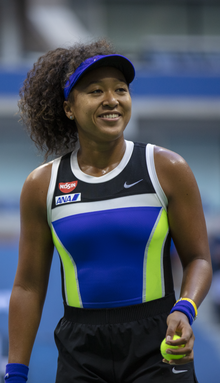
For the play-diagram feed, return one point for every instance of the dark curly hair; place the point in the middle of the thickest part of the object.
(41, 97)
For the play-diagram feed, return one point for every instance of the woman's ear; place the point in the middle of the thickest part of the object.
(67, 110)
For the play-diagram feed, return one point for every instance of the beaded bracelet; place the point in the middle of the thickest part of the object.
(186, 306)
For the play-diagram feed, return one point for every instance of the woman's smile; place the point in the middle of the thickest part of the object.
(110, 116)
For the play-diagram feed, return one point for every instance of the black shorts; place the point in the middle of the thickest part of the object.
(117, 345)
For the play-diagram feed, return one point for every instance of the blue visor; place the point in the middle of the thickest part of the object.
(117, 61)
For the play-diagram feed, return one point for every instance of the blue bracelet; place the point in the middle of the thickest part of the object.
(16, 373)
(186, 308)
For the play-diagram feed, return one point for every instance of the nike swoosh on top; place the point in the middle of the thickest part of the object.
(126, 186)
(174, 371)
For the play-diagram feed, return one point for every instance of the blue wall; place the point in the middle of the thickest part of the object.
(146, 83)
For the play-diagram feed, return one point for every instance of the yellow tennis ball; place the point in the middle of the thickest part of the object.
(164, 347)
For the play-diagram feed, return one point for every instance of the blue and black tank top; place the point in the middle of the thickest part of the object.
(111, 232)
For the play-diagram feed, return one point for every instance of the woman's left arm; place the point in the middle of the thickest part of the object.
(188, 230)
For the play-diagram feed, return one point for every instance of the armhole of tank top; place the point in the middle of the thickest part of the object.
(153, 176)
(51, 187)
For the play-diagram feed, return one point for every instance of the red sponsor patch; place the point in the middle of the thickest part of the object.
(67, 187)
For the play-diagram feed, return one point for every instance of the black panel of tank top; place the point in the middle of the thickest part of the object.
(62, 281)
(168, 276)
(135, 172)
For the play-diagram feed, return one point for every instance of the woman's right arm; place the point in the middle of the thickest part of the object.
(35, 256)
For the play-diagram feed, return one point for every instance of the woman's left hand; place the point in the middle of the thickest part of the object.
(178, 324)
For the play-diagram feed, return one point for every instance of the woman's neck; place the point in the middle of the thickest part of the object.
(98, 159)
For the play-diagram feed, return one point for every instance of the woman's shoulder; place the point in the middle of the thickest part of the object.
(36, 185)
(173, 171)
(167, 156)
(169, 162)
(40, 175)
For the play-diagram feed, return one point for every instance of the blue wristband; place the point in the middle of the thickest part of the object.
(16, 373)
(186, 308)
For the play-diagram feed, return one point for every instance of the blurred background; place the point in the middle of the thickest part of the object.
(175, 46)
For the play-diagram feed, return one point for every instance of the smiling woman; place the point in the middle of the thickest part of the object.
(100, 104)
(110, 207)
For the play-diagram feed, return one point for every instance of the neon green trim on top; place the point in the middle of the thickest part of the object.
(153, 264)
(71, 287)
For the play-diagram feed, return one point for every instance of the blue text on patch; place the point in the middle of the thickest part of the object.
(68, 198)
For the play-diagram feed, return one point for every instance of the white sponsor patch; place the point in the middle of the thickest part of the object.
(67, 198)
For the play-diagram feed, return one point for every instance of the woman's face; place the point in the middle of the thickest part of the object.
(100, 103)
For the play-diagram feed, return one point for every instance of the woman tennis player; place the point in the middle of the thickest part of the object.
(110, 207)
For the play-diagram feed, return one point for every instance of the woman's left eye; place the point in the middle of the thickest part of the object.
(121, 90)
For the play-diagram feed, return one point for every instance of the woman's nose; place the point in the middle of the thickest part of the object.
(110, 100)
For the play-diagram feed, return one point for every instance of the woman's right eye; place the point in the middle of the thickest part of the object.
(96, 91)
